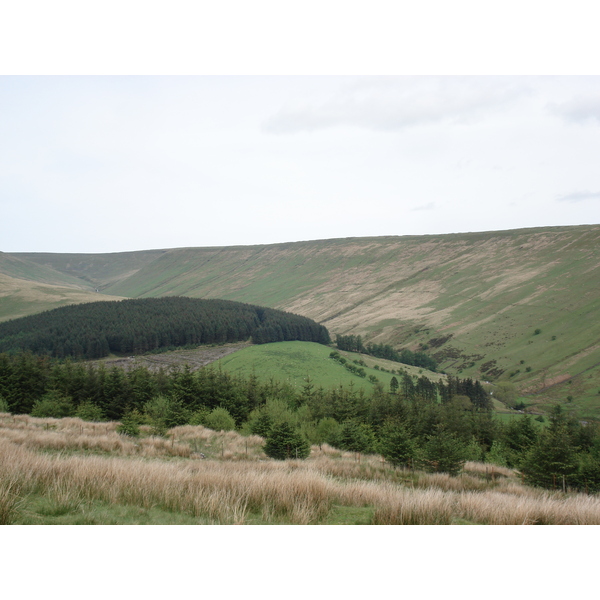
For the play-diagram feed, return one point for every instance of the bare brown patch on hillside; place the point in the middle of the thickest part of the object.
(545, 382)
(195, 359)
(408, 304)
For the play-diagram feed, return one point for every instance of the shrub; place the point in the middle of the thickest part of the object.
(199, 417)
(87, 411)
(130, 424)
(4, 408)
(327, 428)
(220, 420)
(53, 404)
(163, 412)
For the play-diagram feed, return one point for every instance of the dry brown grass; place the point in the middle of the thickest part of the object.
(52, 458)
(10, 499)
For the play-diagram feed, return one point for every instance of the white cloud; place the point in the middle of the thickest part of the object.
(394, 103)
(429, 206)
(579, 196)
(579, 109)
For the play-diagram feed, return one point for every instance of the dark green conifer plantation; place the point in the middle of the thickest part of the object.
(137, 326)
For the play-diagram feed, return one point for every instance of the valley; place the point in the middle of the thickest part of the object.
(519, 306)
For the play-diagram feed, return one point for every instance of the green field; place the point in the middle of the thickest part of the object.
(294, 362)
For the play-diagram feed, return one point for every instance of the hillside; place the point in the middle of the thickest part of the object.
(295, 362)
(475, 300)
(22, 297)
(28, 287)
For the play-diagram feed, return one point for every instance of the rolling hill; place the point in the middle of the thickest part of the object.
(520, 306)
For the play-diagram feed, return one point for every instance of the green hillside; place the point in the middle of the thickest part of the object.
(28, 287)
(475, 300)
(20, 267)
(21, 297)
(93, 270)
(293, 362)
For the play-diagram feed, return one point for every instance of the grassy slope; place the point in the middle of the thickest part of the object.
(93, 270)
(20, 297)
(490, 291)
(292, 362)
(19, 267)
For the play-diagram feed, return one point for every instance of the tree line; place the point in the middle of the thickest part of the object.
(416, 423)
(354, 343)
(96, 329)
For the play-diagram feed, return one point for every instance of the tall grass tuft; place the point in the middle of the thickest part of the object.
(418, 507)
(10, 500)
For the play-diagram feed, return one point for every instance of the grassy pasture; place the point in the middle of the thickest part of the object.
(67, 471)
(293, 362)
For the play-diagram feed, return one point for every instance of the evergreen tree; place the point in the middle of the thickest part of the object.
(395, 444)
(261, 425)
(552, 461)
(284, 443)
(444, 452)
(355, 436)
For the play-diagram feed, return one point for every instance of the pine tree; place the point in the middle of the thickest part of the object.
(444, 452)
(552, 462)
(395, 444)
(283, 443)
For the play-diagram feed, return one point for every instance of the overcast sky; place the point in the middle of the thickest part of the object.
(102, 164)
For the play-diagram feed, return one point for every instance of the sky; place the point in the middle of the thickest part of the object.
(102, 160)
(117, 163)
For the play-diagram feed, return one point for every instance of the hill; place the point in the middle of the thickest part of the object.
(521, 306)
